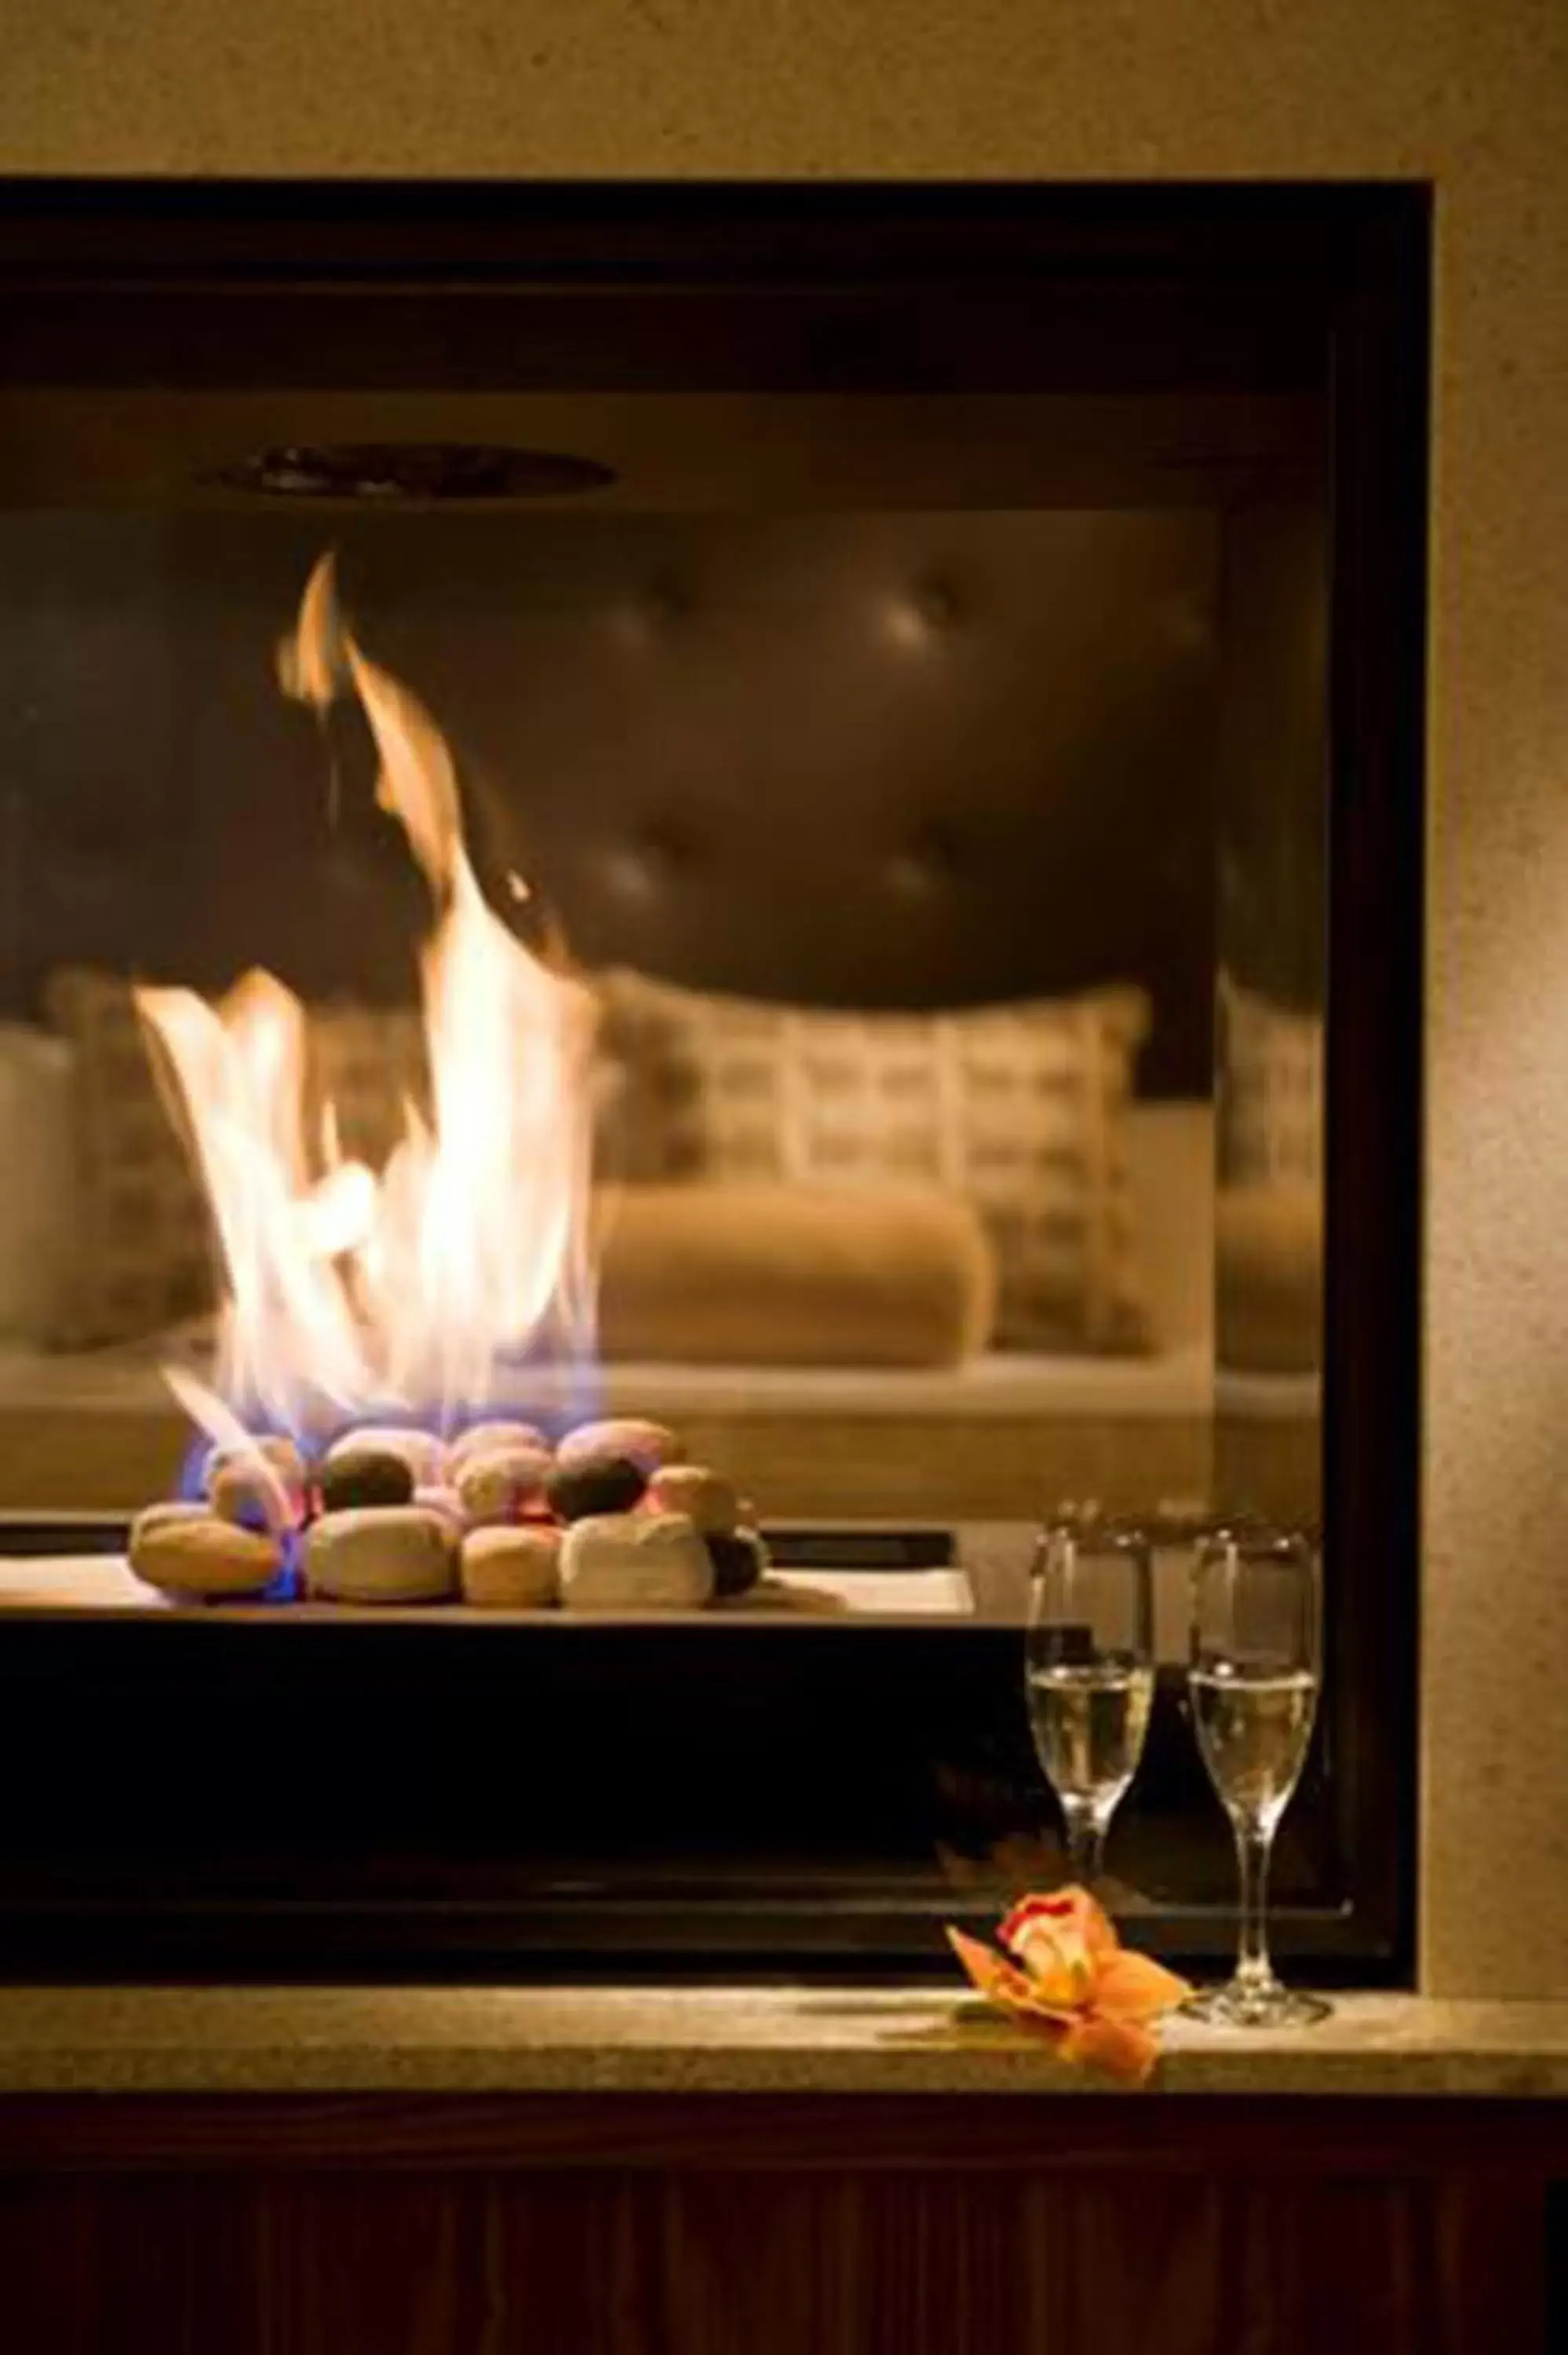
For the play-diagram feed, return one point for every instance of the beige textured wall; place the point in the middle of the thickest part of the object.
(1473, 93)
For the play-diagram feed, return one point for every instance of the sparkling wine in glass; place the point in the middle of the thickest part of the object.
(1090, 1670)
(1252, 1678)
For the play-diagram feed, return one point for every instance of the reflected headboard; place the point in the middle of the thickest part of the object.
(881, 760)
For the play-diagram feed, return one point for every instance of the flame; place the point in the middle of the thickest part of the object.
(226, 1431)
(348, 1291)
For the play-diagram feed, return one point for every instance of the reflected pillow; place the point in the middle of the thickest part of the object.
(1019, 1109)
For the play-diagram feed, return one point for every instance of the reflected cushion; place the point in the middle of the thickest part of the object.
(761, 1274)
(1018, 1109)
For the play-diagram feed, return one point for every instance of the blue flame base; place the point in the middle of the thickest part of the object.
(584, 1400)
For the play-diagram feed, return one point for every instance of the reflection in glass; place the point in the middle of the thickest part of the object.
(1271, 838)
(928, 1154)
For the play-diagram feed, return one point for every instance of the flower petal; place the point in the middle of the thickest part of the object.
(1122, 2048)
(1003, 1983)
(1135, 1987)
(1070, 1912)
(1099, 1930)
(999, 1980)
(1068, 1977)
(1057, 1905)
(1059, 1966)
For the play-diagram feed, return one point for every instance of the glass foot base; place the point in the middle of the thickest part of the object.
(1256, 2003)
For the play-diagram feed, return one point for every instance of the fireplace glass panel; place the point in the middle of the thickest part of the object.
(863, 852)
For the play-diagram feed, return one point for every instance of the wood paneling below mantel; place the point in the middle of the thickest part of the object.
(752, 2225)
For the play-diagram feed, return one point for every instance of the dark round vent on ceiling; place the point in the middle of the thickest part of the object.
(387, 472)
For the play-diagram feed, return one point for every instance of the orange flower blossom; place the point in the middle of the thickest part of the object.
(1063, 1974)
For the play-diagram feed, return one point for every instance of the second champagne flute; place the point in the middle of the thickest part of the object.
(1090, 1670)
(1253, 1680)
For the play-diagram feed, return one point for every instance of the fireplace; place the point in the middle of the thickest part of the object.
(789, 819)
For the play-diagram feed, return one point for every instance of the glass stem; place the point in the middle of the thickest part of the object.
(1084, 1836)
(1253, 1844)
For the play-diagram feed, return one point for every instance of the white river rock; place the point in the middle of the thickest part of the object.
(635, 1561)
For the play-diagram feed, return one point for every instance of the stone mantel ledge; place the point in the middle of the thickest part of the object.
(717, 2041)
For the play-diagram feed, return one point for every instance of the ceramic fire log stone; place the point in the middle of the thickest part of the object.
(635, 1561)
(740, 1558)
(420, 1449)
(275, 1447)
(381, 1554)
(191, 1556)
(646, 1444)
(242, 1492)
(486, 1438)
(447, 1503)
(498, 1486)
(365, 1475)
(705, 1497)
(167, 1508)
(512, 1568)
(612, 1484)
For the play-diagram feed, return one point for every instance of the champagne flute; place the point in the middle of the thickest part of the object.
(1252, 1678)
(1090, 1671)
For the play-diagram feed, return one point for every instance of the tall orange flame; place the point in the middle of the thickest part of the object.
(349, 1290)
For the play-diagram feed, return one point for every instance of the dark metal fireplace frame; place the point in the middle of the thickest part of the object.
(846, 289)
